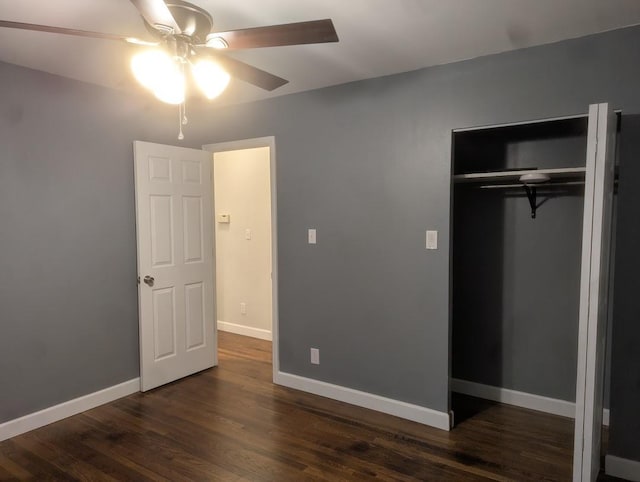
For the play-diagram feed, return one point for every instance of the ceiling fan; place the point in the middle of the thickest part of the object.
(183, 38)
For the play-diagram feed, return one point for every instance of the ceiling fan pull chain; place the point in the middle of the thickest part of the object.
(184, 102)
(180, 134)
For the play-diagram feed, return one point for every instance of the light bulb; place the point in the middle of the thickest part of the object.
(170, 88)
(158, 72)
(210, 78)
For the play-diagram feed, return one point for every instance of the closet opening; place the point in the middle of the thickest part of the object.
(518, 194)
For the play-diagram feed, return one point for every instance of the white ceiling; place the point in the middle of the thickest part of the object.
(377, 37)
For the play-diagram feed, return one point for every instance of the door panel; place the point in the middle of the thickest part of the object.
(161, 230)
(164, 322)
(194, 316)
(193, 224)
(594, 296)
(176, 258)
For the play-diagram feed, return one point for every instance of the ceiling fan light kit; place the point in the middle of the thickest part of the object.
(164, 75)
(184, 42)
(163, 70)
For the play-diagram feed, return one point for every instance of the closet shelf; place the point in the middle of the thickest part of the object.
(514, 175)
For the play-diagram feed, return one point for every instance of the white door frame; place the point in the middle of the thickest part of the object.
(594, 291)
(269, 142)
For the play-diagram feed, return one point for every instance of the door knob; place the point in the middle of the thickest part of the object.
(149, 280)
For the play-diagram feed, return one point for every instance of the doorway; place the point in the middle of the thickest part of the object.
(244, 220)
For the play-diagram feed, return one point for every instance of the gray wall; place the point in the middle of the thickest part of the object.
(68, 298)
(366, 163)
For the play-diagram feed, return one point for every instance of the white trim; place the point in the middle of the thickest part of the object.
(244, 330)
(594, 283)
(513, 397)
(534, 121)
(63, 410)
(520, 123)
(270, 142)
(400, 409)
(520, 399)
(622, 468)
(239, 145)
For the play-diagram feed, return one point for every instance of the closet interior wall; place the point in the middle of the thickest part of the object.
(516, 280)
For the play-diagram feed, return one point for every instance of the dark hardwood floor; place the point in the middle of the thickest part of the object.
(231, 423)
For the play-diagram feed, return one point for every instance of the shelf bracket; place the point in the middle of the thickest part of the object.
(532, 196)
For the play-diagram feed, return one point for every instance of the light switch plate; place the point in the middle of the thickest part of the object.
(247, 234)
(432, 240)
(315, 356)
(312, 236)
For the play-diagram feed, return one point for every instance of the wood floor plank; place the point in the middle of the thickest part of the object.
(38, 467)
(159, 454)
(68, 462)
(230, 423)
(9, 470)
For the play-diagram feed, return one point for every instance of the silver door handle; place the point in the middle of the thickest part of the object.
(149, 280)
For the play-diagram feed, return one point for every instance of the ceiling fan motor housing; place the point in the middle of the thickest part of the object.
(194, 22)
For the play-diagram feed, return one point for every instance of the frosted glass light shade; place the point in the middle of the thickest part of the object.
(157, 71)
(210, 78)
(149, 65)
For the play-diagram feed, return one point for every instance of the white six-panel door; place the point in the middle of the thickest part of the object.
(594, 296)
(175, 262)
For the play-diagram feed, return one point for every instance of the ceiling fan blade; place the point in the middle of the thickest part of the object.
(313, 32)
(68, 31)
(157, 14)
(247, 73)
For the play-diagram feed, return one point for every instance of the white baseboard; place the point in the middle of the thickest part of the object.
(400, 409)
(244, 330)
(49, 415)
(520, 399)
(622, 468)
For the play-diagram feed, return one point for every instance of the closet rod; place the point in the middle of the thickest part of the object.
(552, 184)
(531, 190)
